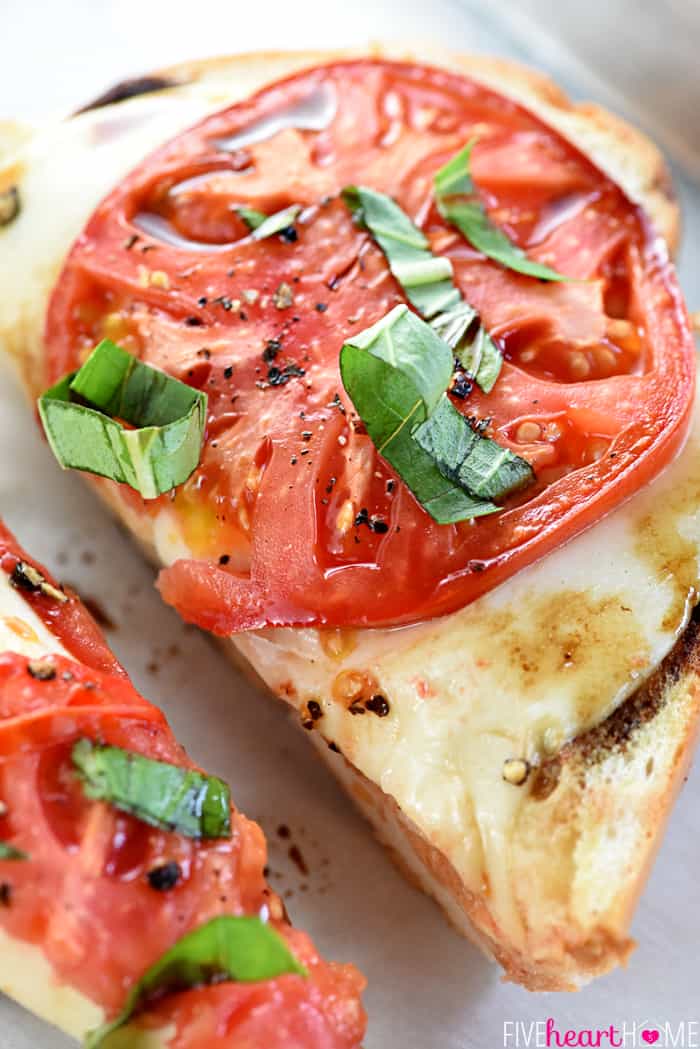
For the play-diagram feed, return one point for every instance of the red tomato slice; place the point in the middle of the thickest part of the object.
(83, 896)
(69, 620)
(596, 388)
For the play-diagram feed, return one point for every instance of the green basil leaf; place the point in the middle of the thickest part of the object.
(458, 203)
(229, 947)
(476, 463)
(425, 278)
(169, 417)
(166, 796)
(477, 353)
(264, 225)
(480, 358)
(396, 374)
(9, 852)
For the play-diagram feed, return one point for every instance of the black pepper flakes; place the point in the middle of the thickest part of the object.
(165, 877)
(378, 704)
(224, 559)
(5, 894)
(362, 518)
(356, 707)
(281, 376)
(202, 300)
(321, 307)
(289, 235)
(272, 348)
(314, 709)
(378, 526)
(194, 322)
(228, 372)
(26, 577)
(461, 386)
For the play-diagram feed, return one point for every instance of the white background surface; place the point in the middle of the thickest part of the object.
(428, 989)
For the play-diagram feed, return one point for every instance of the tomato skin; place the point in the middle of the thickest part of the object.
(603, 367)
(83, 895)
(70, 621)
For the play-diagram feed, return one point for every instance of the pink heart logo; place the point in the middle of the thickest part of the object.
(650, 1037)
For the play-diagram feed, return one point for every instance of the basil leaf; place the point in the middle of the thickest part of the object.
(476, 463)
(226, 948)
(396, 374)
(166, 796)
(477, 353)
(158, 455)
(481, 359)
(425, 278)
(9, 852)
(458, 203)
(264, 225)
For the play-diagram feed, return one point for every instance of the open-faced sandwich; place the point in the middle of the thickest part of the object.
(134, 910)
(423, 316)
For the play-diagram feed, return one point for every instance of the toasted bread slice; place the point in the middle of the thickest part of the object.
(543, 875)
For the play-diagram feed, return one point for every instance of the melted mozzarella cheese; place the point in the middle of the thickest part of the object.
(534, 663)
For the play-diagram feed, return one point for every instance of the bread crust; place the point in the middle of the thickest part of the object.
(579, 791)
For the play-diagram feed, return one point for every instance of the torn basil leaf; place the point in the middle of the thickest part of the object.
(263, 225)
(458, 203)
(229, 947)
(471, 344)
(79, 415)
(425, 278)
(9, 852)
(164, 795)
(396, 374)
(482, 466)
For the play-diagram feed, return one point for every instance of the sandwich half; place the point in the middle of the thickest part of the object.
(134, 909)
(482, 614)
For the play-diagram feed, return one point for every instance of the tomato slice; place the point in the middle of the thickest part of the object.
(69, 620)
(281, 515)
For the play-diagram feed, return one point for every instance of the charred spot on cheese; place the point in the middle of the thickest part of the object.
(546, 779)
(9, 206)
(131, 88)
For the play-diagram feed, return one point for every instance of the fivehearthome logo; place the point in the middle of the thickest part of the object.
(548, 1034)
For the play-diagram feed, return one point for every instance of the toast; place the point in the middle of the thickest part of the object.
(549, 891)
